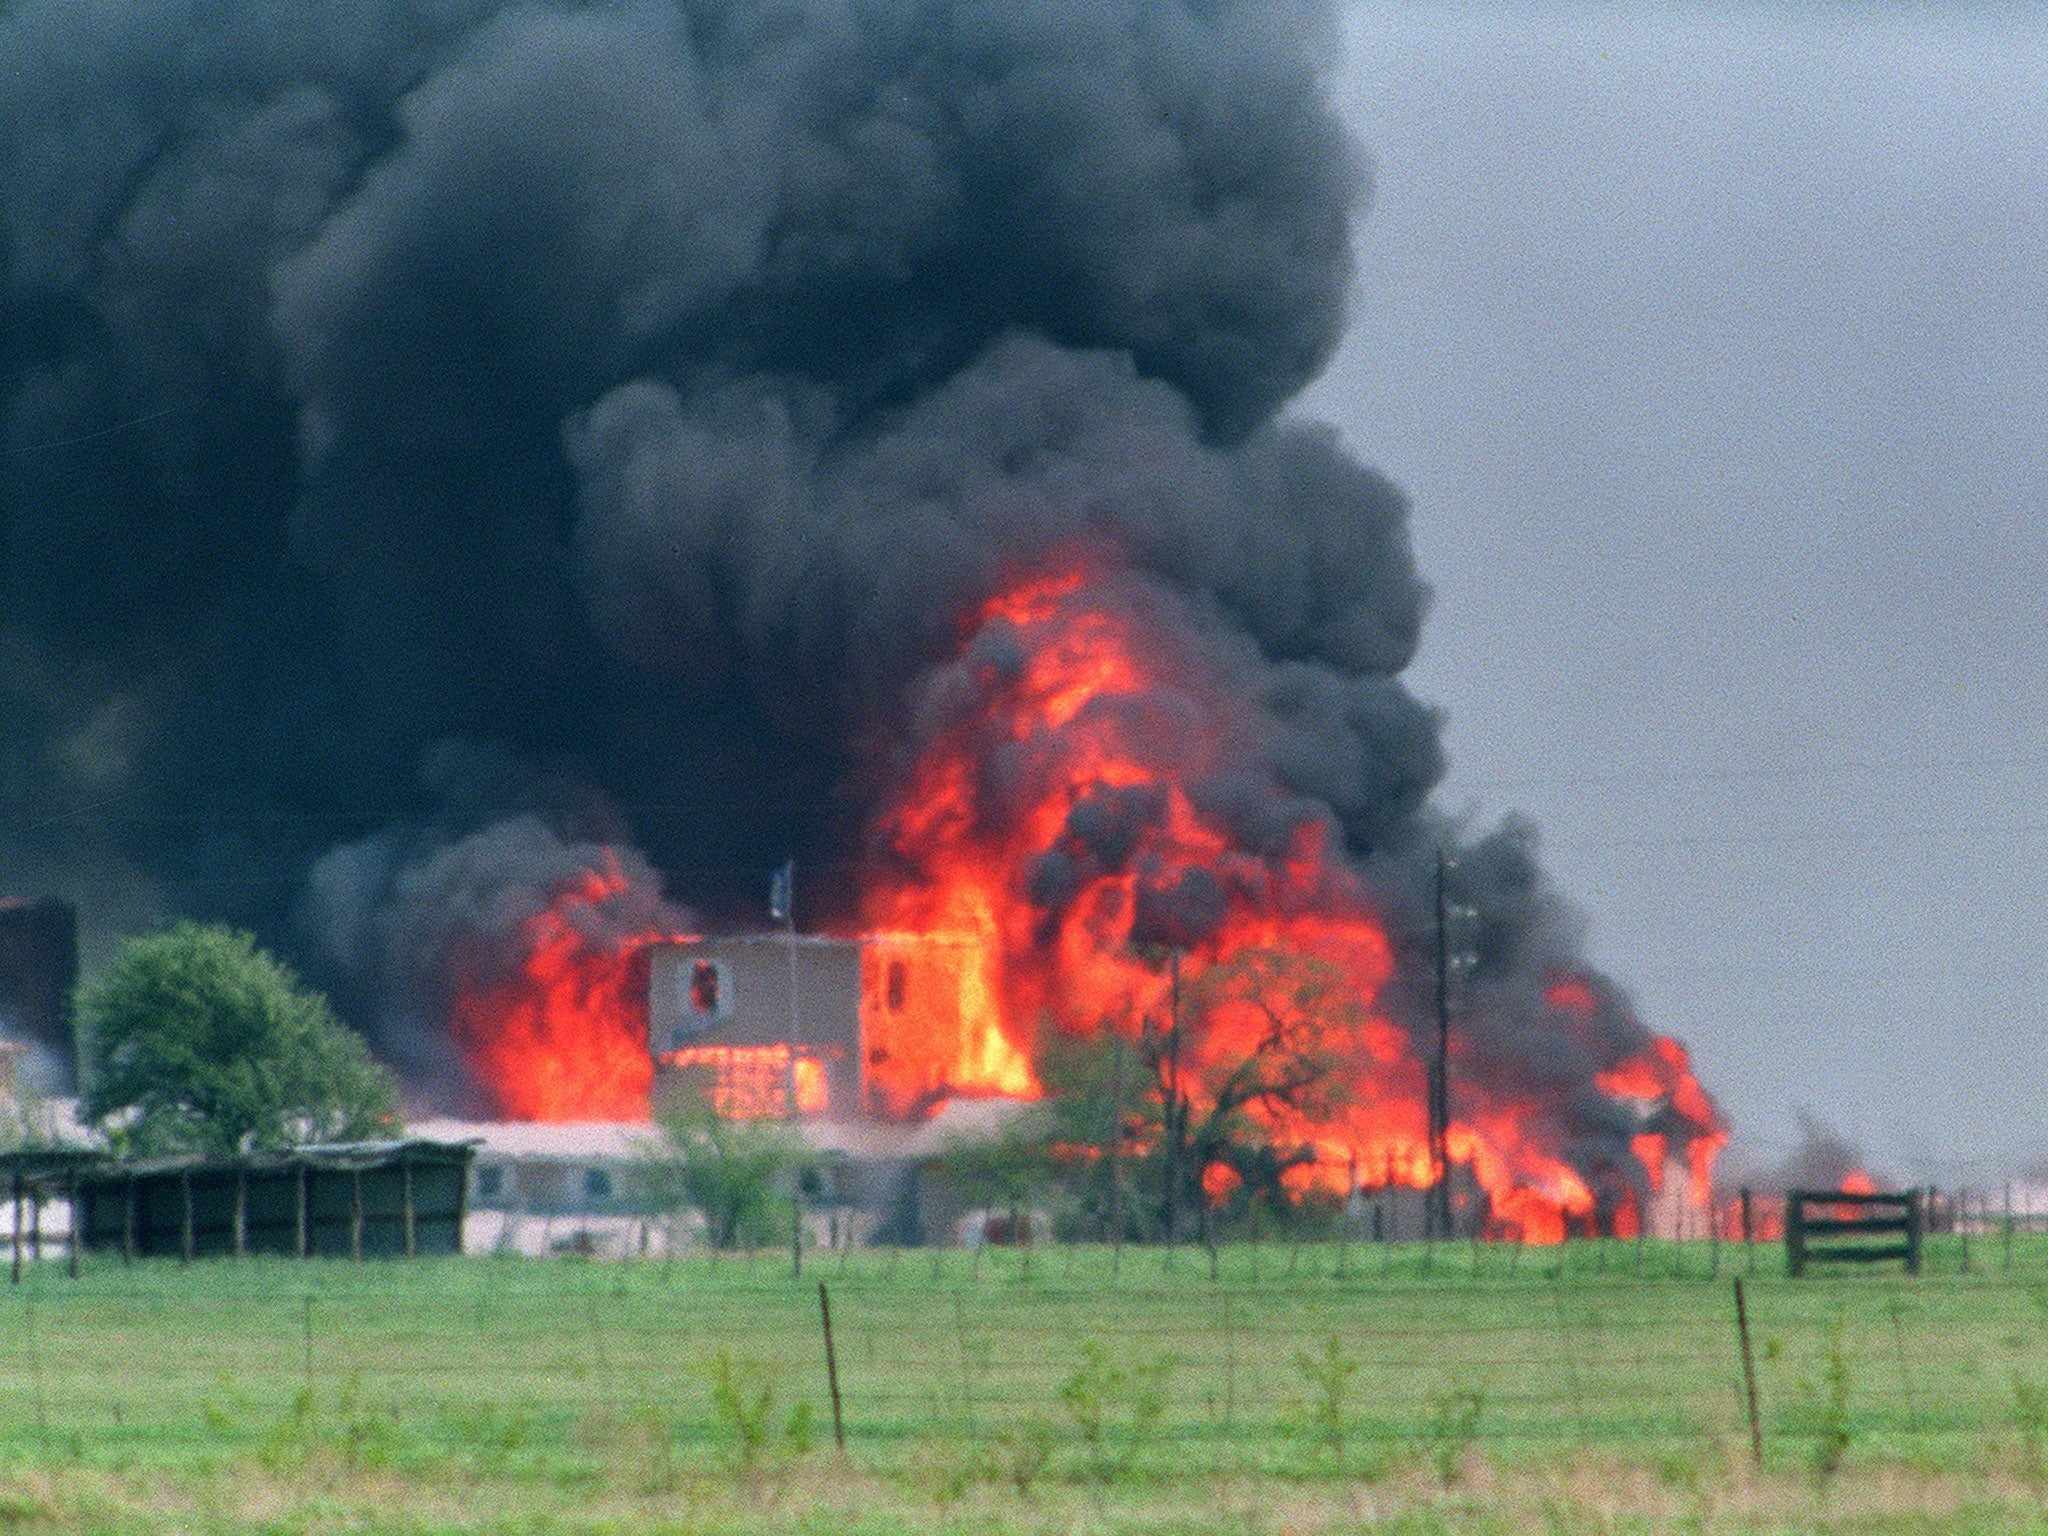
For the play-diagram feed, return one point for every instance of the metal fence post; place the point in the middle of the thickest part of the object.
(1756, 1433)
(831, 1367)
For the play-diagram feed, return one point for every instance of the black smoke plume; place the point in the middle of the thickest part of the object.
(589, 421)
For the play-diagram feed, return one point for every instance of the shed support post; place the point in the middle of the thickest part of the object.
(35, 1224)
(355, 1213)
(305, 1246)
(241, 1212)
(405, 1172)
(16, 1271)
(185, 1234)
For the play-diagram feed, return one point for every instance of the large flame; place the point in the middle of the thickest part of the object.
(556, 1029)
(1071, 710)
(1051, 859)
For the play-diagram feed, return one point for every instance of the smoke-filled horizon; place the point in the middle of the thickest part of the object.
(448, 445)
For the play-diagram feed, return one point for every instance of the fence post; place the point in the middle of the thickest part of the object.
(411, 1218)
(1795, 1232)
(1229, 1363)
(1571, 1358)
(1756, 1433)
(1748, 1233)
(1899, 1355)
(831, 1367)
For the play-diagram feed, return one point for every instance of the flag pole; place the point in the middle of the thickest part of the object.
(782, 903)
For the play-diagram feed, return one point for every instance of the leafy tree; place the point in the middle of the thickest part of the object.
(1104, 1125)
(1142, 1112)
(200, 1041)
(731, 1172)
(1272, 1031)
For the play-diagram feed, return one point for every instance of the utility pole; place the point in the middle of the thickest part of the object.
(1176, 1112)
(1437, 1217)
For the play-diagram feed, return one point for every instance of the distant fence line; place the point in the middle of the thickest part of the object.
(1739, 1231)
(1325, 1360)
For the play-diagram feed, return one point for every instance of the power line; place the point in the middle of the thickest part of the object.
(1846, 768)
(1861, 838)
(107, 431)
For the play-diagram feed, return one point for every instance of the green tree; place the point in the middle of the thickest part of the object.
(202, 1042)
(731, 1172)
(1252, 1041)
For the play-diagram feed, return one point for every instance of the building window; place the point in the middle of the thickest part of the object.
(897, 985)
(707, 990)
(755, 1082)
(597, 1184)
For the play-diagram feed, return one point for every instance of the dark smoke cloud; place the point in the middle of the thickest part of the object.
(1823, 1158)
(402, 914)
(641, 392)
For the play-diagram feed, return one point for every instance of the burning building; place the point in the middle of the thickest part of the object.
(478, 470)
(883, 1026)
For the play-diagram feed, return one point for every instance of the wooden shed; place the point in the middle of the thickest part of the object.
(375, 1199)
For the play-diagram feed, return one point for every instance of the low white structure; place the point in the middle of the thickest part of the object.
(582, 1187)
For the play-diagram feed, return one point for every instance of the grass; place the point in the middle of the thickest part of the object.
(1595, 1387)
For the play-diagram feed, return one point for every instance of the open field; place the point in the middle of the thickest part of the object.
(1595, 1387)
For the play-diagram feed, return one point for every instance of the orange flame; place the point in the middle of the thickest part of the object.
(995, 906)
(1070, 726)
(756, 1082)
(560, 1033)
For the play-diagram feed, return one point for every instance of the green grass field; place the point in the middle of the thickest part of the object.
(1595, 1387)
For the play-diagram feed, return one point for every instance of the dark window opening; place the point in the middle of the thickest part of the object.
(898, 984)
(489, 1182)
(704, 986)
(597, 1184)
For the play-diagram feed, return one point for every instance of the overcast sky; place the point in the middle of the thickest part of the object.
(1712, 345)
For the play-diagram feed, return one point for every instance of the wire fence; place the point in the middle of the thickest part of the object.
(1123, 1359)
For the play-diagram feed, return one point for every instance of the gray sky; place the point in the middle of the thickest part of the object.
(1712, 344)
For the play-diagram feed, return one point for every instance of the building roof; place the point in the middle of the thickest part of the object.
(957, 1121)
(44, 1165)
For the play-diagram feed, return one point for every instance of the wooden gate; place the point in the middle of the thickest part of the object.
(1852, 1229)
